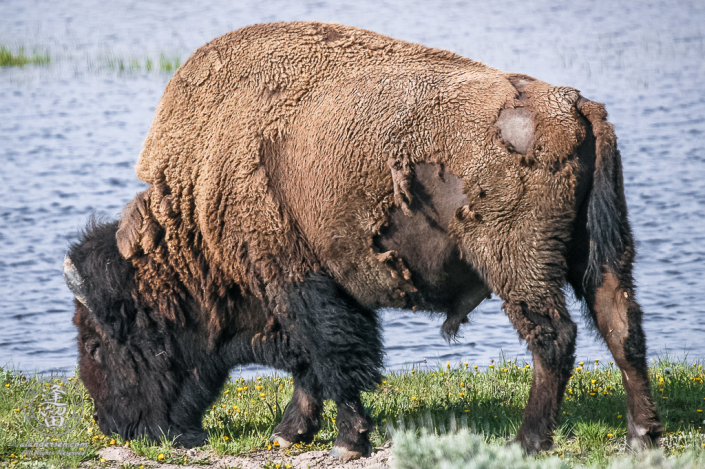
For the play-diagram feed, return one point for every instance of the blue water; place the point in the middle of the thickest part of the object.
(70, 134)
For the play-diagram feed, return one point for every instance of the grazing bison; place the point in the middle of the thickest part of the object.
(302, 176)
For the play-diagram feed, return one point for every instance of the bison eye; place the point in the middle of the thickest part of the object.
(92, 350)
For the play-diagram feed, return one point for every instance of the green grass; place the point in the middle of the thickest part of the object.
(114, 62)
(19, 59)
(443, 400)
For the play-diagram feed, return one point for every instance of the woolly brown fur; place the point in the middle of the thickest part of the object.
(321, 172)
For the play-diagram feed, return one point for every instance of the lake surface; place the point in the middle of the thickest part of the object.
(71, 132)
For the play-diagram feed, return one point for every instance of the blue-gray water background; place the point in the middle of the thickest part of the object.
(70, 134)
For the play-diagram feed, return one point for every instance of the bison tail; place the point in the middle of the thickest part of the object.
(608, 226)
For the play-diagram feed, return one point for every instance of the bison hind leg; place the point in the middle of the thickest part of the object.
(550, 335)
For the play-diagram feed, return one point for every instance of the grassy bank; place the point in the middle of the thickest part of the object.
(484, 400)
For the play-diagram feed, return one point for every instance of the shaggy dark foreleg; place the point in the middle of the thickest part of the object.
(302, 417)
(550, 335)
(618, 318)
(354, 427)
(319, 328)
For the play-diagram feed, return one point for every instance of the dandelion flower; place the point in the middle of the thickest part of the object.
(580, 363)
(161, 456)
(226, 438)
(609, 435)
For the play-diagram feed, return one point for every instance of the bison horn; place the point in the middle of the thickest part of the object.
(74, 280)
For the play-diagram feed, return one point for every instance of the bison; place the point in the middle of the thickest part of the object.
(302, 176)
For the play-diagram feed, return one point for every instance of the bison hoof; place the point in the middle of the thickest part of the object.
(191, 440)
(283, 443)
(345, 454)
(532, 445)
(645, 436)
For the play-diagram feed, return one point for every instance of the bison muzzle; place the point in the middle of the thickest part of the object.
(302, 176)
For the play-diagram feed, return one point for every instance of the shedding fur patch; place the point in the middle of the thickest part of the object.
(130, 226)
(517, 128)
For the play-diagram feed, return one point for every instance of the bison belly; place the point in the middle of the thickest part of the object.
(420, 238)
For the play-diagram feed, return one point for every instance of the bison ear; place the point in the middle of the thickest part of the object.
(130, 226)
(74, 281)
(92, 348)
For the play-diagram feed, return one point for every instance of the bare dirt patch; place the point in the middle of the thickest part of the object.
(380, 459)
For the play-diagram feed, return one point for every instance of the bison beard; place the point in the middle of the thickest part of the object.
(302, 176)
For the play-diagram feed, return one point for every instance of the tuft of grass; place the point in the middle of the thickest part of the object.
(120, 64)
(168, 65)
(20, 59)
(442, 400)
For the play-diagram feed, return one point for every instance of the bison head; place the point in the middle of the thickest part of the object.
(148, 377)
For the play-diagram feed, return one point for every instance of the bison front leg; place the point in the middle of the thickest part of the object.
(550, 335)
(354, 427)
(333, 347)
(302, 417)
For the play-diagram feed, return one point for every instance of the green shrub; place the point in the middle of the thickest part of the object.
(470, 451)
